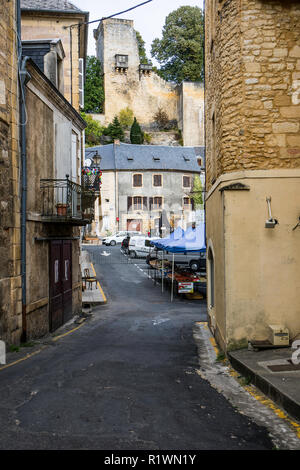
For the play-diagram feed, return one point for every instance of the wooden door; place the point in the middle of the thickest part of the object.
(60, 283)
(56, 297)
(67, 280)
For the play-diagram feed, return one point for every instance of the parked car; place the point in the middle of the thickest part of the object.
(118, 237)
(195, 261)
(139, 246)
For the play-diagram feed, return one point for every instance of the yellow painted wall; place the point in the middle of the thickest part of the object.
(261, 266)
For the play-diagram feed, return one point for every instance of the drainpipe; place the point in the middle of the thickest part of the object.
(24, 77)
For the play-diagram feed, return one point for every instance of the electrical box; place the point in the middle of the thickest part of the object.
(279, 335)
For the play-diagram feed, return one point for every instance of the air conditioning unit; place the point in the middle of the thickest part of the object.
(279, 335)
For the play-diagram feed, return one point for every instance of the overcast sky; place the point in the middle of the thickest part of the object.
(148, 19)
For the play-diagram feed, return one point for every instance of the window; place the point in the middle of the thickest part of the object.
(188, 203)
(157, 181)
(156, 202)
(137, 181)
(186, 181)
(137, 203)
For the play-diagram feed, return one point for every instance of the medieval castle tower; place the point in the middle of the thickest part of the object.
(127, 83)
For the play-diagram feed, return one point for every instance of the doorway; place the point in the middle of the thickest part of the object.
(60, 283)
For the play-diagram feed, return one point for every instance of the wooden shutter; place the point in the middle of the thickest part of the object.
(81, 83)
(150, 203)
(145, 203)
(129, 203)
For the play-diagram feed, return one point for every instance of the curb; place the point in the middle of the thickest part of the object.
(266, 387)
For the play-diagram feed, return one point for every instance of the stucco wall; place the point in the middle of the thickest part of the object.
(262, 266)
(192, 113)
(49, 156)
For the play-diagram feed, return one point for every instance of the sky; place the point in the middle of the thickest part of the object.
(148, 19)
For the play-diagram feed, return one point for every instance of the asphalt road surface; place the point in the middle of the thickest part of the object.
(125, 380)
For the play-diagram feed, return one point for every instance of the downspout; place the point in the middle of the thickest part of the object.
(24, 77)
(204, 115)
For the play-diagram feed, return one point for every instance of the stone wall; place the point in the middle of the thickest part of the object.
(253, 86)
(144, 92)
(10, 252)
(43, 26)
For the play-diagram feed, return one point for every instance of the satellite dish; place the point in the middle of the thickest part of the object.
(88, 162)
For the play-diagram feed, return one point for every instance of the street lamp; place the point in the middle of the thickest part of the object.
(96, 159)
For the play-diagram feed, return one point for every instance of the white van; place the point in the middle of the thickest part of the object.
(139, 246)
(118, 237)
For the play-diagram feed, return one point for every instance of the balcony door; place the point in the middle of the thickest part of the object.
(60, 283)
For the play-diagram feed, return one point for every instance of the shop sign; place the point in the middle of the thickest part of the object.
(185, 287)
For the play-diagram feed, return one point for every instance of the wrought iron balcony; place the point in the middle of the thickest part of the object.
(67, 202)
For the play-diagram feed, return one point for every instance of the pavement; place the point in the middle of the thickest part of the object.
(94, 295)
(269, 371)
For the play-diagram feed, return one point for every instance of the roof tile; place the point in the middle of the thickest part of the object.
(55, 5)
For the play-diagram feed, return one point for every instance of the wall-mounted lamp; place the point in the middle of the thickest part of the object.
(270, 222)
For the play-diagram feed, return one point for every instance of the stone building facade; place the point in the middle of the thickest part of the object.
(10, 241)
(144, 186)
(53, 149)
(127, 83)
(45, 20)
(252, 58)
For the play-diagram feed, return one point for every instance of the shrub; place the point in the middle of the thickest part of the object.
(161, 118)
(136, 133)
(126, 117)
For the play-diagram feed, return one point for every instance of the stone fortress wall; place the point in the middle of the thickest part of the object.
(254, 83)
(142, 90)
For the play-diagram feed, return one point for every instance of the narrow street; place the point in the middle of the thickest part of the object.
(124, 381)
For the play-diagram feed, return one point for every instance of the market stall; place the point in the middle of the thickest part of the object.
(180, 279)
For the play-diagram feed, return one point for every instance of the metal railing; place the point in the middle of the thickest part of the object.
(64, 200)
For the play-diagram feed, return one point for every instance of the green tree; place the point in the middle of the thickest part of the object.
(197, 192)
(136, 133)
(180, 51)
(114, 130)
(94, 87)
(142, 50)
(126, 117)
(93, 131)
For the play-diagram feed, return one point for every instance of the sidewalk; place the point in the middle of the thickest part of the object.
(94, 296)
(273, 373)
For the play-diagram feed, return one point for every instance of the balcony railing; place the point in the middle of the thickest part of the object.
(65, 201)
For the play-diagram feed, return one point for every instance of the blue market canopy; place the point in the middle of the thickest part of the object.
(191, 241)
(160, 243)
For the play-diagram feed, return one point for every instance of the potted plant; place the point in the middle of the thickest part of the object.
(61, 209)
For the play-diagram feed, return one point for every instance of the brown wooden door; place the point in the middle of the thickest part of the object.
(60, 283)
(67, 280)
